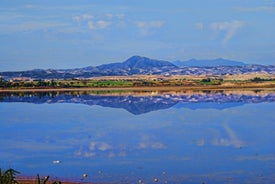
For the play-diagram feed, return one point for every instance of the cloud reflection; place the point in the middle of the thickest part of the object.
(101, 146)
(109, 150)
(96, 148)
(147, 142)
(232, 139)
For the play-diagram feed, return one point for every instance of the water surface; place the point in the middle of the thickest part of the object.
(210, 137)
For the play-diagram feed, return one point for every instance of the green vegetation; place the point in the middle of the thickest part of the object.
(45, 180)
(134, 82)
(64, 83)
(209, 81)
(102, 83)
(8, 176)
(27, 84)
(258, 79)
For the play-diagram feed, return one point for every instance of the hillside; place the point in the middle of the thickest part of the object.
(138, 65)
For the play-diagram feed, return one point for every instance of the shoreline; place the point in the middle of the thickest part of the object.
(269, 87)
(33, 181)
(21, 179)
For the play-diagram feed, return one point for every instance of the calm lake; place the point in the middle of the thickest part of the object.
(150, 137)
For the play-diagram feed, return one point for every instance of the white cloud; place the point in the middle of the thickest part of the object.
(103, 24)
(199, 26)
(83, 17)
(120, 16)
(230, 28)
(100, 24)
(91, 25)
(269, 9)
(146, 26)
(149, 24)
(109, 15)
(30, 26)
(31, 6)
(93, 22)
(114, 16)
(87, 16)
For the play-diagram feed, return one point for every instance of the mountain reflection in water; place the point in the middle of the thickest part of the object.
(144, 103)
(196, 137)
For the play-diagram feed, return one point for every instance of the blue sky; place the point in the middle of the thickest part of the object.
(79, 33)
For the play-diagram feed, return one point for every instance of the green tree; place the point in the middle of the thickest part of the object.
(53, 83)
(2, 82)
(206, 80)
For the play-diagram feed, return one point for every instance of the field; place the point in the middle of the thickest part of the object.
(143, 82)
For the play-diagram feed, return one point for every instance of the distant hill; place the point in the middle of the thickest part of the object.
(137, 65)
(133, 66)
(208, 63)
(138, 62)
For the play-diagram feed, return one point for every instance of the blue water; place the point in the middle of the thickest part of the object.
(199, 138)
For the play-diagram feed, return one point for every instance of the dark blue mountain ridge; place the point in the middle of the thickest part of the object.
(137, 65)
(208, 63)
(138, 62)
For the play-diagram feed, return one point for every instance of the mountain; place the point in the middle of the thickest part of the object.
(138, 62)
(208, 63)
(133, 65)
(138, 65)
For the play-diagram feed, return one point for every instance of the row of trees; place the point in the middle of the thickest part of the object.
(112, 83)
(79, 83)
(26, 84)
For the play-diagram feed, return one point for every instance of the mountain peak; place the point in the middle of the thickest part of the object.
(136, 57)
(144, 62)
